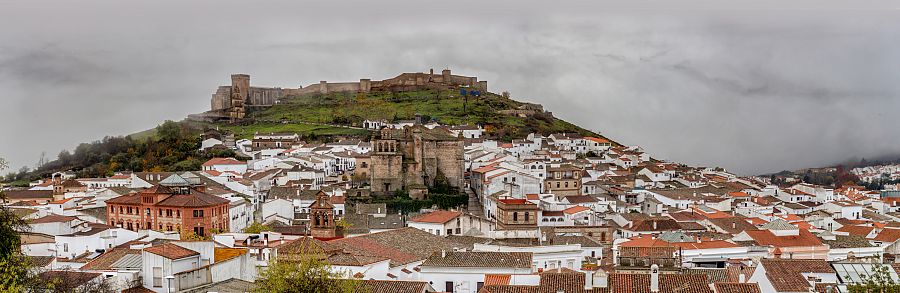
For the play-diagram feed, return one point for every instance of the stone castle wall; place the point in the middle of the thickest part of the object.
(234, 98)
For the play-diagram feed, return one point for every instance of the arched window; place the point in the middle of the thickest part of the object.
(526, 216)
(515, 216)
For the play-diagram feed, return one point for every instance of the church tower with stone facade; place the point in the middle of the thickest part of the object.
(321, 217)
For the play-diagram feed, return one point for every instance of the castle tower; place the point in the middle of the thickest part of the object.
(445, 75)
(321, 217)
(240, 92)
(241, 82)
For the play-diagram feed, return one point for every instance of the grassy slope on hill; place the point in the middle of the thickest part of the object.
(446, 106)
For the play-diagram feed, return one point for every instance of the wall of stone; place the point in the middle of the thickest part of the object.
(221, 99)
(265, 96)
(386, 168)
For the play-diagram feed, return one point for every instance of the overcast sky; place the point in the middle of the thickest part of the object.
(751, 87)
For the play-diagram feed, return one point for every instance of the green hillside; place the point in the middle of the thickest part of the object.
(335, 113)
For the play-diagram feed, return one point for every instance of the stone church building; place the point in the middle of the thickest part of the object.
(415, 158)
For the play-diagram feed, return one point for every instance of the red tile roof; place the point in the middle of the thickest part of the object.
(52, 218)
(495, 279)
(736, 287)
(513, 201)
(856, 230)
(766, 237)
(786, 275)
(668, 283)
(437, 217)
(888, 235)
(575, 210)
(171, 251)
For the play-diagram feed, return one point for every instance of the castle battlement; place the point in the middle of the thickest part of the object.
(232, 101)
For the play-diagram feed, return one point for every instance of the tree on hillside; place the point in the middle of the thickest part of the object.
(309, 273)
(14, 274)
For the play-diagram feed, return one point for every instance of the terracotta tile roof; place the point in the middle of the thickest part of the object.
(72, 278)
(733, 225)
(513, 201)
(733, 272)
(575, 210)
(856, 230)
(786, 275)
(52, 218)
(736, 287)
(887, 235)
(655, 225)
(437, 217)
(171, 251)
(576, 199)
(686, 216)
(224, 253)
(496, 279)
(766, 238)
(194, 199)
(668, 283)
(562, 279)
(223, 161)
(654, 252)
(61, 201)
(554, 280)
(347, 259)
(374, 286)
(27, 194)
(597, 139)
(713, 274)
(401, 246)
(481, 259)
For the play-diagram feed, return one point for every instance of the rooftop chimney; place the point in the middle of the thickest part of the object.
(443, 253)
(742, 278)
(654, 278)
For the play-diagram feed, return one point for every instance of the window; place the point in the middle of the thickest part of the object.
(198, 213)
(449, 231)
(448, 287)
(65, 247)
(526, 216)
(157, 276)
(515, 216)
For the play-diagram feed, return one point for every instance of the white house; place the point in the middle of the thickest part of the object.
(464, 271)
(225, 164)
(544, 257)
(95, 238)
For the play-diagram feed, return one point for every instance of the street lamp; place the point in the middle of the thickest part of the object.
(169, 283)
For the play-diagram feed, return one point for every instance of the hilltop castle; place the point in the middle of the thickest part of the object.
(232, 102)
